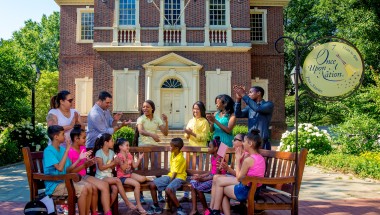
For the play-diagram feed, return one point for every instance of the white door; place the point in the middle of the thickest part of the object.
(172, 105)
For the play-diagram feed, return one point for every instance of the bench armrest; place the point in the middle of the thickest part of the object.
(263, 180)
(70, 176)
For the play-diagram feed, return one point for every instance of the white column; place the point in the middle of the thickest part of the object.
(161, 27)
(138, 27)
(148, 83)
(207, 24)
(195, 85)
(115, 26)
(183, 25)
(228, 23)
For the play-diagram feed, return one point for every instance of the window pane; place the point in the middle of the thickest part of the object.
(172, 12)
(127, 13)
(87, 26)
(217, 12)
(257, 30)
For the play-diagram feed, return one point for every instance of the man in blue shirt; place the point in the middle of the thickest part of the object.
(100, 120)
(258, 111)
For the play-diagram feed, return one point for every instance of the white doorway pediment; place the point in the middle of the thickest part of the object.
(172, 60)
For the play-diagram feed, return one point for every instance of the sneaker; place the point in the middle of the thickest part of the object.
(154, 210)
(160, 197)
(207, 211)
(180, 211)
(142, 200)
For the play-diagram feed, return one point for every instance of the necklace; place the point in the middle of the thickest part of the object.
(67, 114)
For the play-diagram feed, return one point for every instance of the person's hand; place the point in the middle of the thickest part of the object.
(223, 165)
(239, 153)
(84, 154)
(164, 117)
(188, 131)
(210, 118)
(141, 155)
(89, 162)
(68, 144)
(117, 116)
(155, 137)
(195, 177)
(239, 90)
(116, 160)
(76, 117)
(125, 122)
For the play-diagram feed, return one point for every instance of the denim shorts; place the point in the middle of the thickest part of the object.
(241, 192)
(163, 182)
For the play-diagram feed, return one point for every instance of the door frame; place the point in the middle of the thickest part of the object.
(183, 109)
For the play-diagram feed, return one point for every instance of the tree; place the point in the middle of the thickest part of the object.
(39, 42)
(45, 89)
(15, 83)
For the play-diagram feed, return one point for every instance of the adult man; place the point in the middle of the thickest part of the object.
(100, 121)
(258, 111)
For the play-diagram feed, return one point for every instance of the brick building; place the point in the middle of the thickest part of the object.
(174, 52)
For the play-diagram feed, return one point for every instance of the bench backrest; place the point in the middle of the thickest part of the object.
(33, 164)
(282, 164)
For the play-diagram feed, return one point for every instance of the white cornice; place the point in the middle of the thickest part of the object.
(281, 3)
(103, 48)
(74, 2)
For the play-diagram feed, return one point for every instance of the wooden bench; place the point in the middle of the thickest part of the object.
(36, 177)
(279, 190)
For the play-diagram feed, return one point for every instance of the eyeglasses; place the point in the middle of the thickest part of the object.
(70, 100)
(236, 139)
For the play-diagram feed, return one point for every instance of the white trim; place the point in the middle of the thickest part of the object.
(74, 2)
(264, 12)
(108, 47)
(279, 3)
(79, 24)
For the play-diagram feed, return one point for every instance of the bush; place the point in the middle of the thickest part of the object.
(358, 134)
(240, 129)
(310, 137)
(23, 135)
(9, 153)
(125, 132)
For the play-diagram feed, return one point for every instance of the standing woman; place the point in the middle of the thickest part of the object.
(62, 114)
(223, 121)
(197, 128)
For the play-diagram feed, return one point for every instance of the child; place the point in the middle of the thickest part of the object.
(229, 187)
(203, 183)
(124, 169)
(105, 161)
(78, 138)
(174, 180)
(55, 162)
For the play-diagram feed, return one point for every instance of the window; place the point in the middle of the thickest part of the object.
(127, 14)
(217, 12)
(125, 90)
(258, 26)
(83, 95)
(172, 12)
(217, 82)
(172, 83)
(85, 25)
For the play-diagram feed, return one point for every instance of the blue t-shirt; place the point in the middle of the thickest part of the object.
(52, 157)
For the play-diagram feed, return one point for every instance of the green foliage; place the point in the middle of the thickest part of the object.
(363, 165)
(125, 132)
(15, 84)
(310, 137)
(9, 153)
(240, 129)
(23, 135)
(45, 89)
(358, 134)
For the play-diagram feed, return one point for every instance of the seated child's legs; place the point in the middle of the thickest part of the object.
(172, 188)
(82, 191)
(104, 189)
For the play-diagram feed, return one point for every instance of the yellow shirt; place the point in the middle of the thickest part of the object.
(178, 165)
(150, 126)
(201, 128)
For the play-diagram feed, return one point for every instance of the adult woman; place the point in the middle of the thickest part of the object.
(225, 188)
(198, 127)
(62, 114)
(223, 121)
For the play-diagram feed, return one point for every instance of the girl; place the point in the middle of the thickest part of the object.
(203, 183)
(78, 138)
(254, 165)
(125, 169)
(105, 161)
(223, 121)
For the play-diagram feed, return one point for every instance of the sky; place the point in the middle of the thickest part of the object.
(13, 14)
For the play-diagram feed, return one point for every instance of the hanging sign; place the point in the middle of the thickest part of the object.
(333, 69)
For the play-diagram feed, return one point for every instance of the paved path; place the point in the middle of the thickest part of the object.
(322, 192)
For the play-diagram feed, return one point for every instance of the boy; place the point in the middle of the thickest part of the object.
(174, 180)
(55, 162)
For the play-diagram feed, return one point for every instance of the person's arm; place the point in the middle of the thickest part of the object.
(98, 124)
(143, 132)
(230, 126)
(241, 172)
(135, 164)
(79, 120)
(59, 166)
(102, 167)
(82, 156)
(204, 130)
(164, 128)
(239, 113)
(265, 107)
(52, 119)
(206, 177)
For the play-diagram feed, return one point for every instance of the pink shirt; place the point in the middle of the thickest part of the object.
(74, 156)
(127, 172)
(214, 165)
(258, 168)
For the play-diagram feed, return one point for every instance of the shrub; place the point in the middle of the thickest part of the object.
(240, 129)
(23, 135)
(358, 134)
(125, 132)
(9, 153)
(310, 137)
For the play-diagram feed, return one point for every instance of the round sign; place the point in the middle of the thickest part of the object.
(333, 69)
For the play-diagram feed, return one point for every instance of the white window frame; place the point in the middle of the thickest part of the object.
(83, 97)
(263, 12)
(133, 98)
(212, 83)
(80, 11)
